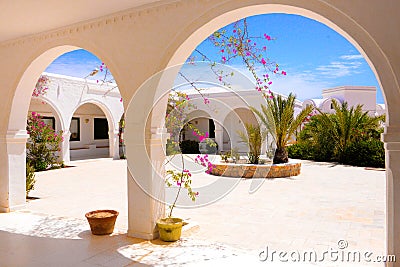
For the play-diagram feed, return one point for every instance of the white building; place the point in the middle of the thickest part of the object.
(227, 111)
(87, 112)
(353, 95)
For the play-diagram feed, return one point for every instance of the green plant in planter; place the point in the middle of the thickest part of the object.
(170, 228)
(279, 120)
(254, 139)
(235, 155)
(225, 156)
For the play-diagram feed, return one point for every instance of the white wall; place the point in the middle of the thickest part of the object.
(69, 97)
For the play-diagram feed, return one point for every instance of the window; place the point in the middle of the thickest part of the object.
(331, 105)
(75, 130)
(100, 128)
(211, 128)
(51, 121)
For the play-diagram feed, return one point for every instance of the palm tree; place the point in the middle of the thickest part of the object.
(254, 139)
(344, 126)
(278, 117)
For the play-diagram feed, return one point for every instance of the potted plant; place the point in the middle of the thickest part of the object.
(170, 228)
(102, 221)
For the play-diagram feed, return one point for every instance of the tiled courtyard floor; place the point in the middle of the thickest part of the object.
(313, 211)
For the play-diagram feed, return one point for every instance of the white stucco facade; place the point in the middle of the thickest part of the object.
(137, 39)
(85, 101)
(230, 110)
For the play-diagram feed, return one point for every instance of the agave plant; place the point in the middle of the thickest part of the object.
(279, 120)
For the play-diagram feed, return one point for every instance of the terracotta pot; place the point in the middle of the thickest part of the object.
(102, 221)
(170, 229)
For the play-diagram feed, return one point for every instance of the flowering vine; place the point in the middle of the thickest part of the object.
(41, 87)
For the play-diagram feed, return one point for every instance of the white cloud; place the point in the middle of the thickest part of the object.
(346, 66)
(303, 85)
(351, 57)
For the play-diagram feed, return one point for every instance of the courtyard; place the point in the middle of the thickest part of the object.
(324, 207)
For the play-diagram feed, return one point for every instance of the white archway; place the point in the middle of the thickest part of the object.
(113, 130)
(202, 27)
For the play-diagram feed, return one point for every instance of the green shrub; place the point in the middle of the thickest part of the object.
(43, 144)
(300, 151)
(211, 146)
(225, 156)
(208, 146)
(253, 137)
(189, 147)
(172, 147)
(30, 178)
(367, 153)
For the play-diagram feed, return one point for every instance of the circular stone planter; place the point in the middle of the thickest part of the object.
(291, 168)
(102, 221)
(170, 229)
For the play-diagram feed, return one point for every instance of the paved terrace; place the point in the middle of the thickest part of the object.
(315, 210)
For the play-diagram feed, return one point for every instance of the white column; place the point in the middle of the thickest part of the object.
(13, 176)
(219, 136)
(146, 187)
(65, 153)
(391, 137)
(113, 139)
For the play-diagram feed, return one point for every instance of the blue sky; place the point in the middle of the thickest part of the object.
(314, 56)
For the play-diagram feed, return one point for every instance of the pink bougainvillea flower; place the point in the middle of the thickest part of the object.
(269, 83)
(263, 61)
(264, 48)
(267, 37)
(222, 50)
(284, 72)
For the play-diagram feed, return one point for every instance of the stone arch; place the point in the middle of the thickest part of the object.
(28, 70)
(235, 121)
(60, 119)
(112, 122)
(326, 14)
(201, 27)
(113, 129)
(326, 105)
(34, 66)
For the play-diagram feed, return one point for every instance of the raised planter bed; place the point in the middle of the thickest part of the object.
(257, 171)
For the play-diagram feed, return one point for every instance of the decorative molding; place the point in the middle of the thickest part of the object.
(122, 16)
(15, 137)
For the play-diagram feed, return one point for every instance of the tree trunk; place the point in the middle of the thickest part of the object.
(281, 156)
